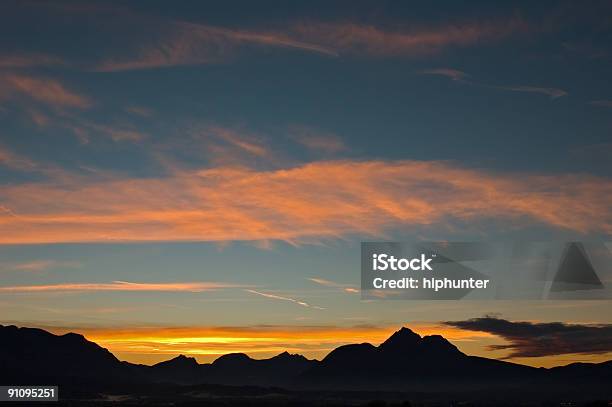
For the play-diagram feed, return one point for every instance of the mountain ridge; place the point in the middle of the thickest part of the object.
(404, 361)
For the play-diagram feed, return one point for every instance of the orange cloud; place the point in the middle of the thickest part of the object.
(219, 146)
(320, 200)
(86, 130)
(117, 286)
(239, 141)
(195, 44)
(82, 129)
(371, 40)
(316, 140)
(12, 160)
(48, 91)
(38, 265)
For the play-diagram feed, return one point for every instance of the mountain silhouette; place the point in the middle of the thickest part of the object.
(404, 362)
(179, 362)
(238, 368)
(181, 369)
(32, 353)
(401, 339)
(406, 358)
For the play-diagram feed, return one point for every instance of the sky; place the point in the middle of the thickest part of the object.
(196, 178)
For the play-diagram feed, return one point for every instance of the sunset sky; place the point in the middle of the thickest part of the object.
(197, 177)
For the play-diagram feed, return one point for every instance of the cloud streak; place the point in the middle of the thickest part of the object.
(38, 265)
(194, 287)
(601, 103)
(453, 74)
(281, 298)
(316, 140)
(311, 202)
(47, 91)
(332, 284)
(197, 44)
(12, 160)
(460, 76)
(535, 339)
(554, 93)
(20, 61)
(369, 40)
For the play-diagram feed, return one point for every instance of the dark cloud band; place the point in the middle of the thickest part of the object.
(533, 339)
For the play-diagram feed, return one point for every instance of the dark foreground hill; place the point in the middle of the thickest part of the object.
(404, 365)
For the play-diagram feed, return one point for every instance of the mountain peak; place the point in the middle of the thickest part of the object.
(283, 355)
(232, 359)
(185, 359)
(288, 356)
(405, 337)
(180, 360)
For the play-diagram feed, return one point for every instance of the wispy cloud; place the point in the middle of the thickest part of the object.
(38, 265)
(13, 61)
(332, 284)
(281, 298)
(552, 92)
(118, 286)
(139, 111)
(601, 103)
(49, 103)
(194, 44)
(447, 72)
(317, 140)
(460, 76)
(319, 200)
(10, 159)
(358, 39)
(218, 146)
(235, 139)
(535, 339)
(84, 129)
(48, 91)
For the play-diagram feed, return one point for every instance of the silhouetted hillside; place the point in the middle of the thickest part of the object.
(238, 368)
(181, 369)
(31, 353)
(405, 362)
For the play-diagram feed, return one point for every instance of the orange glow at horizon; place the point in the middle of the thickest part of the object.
(152, 344)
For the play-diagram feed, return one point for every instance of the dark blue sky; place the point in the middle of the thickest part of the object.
(380, 104)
